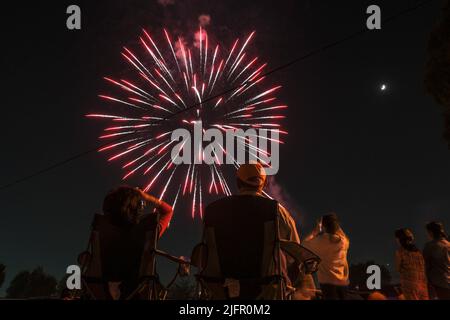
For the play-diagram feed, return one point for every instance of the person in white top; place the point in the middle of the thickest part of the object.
(330, 243)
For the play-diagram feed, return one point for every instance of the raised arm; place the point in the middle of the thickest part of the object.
(315, 231)
(164, 209)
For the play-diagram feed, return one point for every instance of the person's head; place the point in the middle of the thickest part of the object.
(330, 223)
(405, 239)
(436, 230)
(124, 205)
(377, 295)
(251, 176)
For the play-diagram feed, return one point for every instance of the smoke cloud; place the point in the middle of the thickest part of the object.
(280, 194)
(166, 3)
(178, 50)
(204, 20)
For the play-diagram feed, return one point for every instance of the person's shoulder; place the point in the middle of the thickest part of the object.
(444, 243)
(436, 244)
(319, 238)
(345, 240)
(284, 212)
(219, 202)
(282, 208)
(318, 243)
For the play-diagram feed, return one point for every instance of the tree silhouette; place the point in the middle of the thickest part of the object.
(2, 274)
(437, 73)
(358, 275)
(32, 285)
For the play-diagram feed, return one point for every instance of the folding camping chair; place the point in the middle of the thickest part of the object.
(241, 255)
(112, 249)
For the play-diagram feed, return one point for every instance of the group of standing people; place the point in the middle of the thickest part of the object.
(423, 274)
(426, 274)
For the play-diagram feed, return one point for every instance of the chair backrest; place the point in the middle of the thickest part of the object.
(237, 225)
(238, 243)
(121, 253)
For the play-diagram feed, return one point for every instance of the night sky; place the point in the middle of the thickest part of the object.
(376, 158)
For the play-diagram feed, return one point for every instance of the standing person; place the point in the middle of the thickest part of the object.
(410, 264)
(437, 260)
(330, 243)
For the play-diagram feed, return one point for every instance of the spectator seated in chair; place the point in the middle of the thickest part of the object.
(122, 245)
(250, 247)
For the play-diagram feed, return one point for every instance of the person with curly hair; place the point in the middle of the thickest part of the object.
(125, 207)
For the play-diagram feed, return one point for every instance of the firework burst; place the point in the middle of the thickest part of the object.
(176, 85)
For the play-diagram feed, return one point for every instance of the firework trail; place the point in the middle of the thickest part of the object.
(170, 78)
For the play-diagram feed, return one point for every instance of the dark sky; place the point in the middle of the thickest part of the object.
(377, 159)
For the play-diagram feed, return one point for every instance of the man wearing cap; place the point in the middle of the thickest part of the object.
(251, 179)
(242, 229)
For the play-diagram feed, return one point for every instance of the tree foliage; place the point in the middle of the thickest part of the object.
(2, 274)
(437, 73)
(35, 284)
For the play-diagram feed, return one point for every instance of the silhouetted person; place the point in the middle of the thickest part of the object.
(331, 244)
(437, 260)
(245, 212)
(124, 207)
(411, 267)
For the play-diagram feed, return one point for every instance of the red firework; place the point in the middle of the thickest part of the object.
(169, 81)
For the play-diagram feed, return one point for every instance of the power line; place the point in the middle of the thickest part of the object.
(281, 67)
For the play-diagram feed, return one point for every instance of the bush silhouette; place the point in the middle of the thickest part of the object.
(35, 284)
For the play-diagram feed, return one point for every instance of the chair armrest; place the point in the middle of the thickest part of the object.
(172, 258)
(301, 255)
